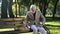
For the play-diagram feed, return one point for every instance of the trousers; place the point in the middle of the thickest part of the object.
(36, 28)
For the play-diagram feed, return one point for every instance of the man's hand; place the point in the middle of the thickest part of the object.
(26, 28)
(44, 25)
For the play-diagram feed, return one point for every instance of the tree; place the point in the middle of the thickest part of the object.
(27, 3)
(19, 4)
(33, 1)
(4, 9)
(43, 4)
(16, 7)
(55, 4)
(10, 9)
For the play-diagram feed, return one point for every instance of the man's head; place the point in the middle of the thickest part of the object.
(33, 8)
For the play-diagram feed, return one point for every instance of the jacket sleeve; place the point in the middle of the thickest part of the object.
(43, 18)
(26, 20)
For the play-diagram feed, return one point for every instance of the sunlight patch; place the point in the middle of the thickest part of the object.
(6, 29)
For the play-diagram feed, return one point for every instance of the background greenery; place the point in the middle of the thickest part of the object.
(17, 8)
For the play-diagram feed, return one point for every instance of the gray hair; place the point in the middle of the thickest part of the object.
(32, 6)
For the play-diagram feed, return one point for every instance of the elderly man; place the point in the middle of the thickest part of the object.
(34, 16)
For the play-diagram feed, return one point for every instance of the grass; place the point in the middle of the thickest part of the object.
(52, 24)
(6, 29)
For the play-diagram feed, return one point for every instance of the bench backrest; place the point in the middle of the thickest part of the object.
(10, 22)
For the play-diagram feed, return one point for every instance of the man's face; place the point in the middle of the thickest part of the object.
(33, 9)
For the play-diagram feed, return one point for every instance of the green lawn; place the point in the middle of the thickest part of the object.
(6, 29)
(52, 24)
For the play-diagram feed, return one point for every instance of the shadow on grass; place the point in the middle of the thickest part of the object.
(50, 19)
(53, 25)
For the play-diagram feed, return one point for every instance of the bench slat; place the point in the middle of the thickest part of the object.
(7, 26)
(11, 19)
(10, 22)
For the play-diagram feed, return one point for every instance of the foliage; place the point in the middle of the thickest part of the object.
(42, 5)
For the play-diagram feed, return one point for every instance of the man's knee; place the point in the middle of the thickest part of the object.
(43, 31)
(35, 29)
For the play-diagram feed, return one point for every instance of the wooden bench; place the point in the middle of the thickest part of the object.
(16, 23)
(12, 22)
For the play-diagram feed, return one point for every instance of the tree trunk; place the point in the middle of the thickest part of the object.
(43, 4)
(44, 7)
(16, 7)
(33, 1)
(10, 9)
(19, 9)
(54, 12)
(4, 9)
(40, 5)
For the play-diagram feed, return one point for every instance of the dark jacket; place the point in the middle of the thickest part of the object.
(38, 17)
